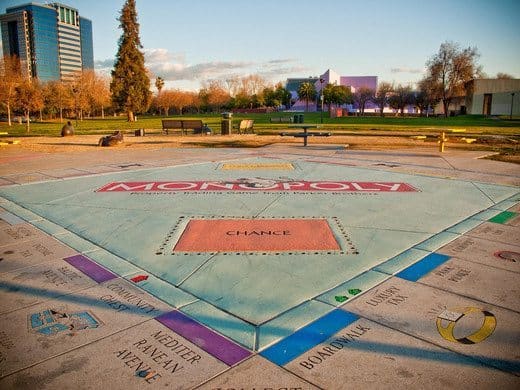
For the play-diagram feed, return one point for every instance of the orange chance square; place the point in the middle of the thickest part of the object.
(239, 235)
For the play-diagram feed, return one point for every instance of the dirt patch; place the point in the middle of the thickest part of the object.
(508, 150)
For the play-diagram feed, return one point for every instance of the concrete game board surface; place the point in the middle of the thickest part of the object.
(276, 268)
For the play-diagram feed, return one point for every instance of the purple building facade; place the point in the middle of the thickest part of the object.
(330, 77)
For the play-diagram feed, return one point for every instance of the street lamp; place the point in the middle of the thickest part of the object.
(321, 98)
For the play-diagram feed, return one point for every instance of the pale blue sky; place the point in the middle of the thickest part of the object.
(189, 41)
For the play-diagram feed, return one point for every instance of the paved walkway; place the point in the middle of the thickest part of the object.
(282, 267)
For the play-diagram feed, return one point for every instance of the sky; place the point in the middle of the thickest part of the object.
(189, 42)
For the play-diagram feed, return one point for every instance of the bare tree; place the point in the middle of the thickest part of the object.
(504, 76)
(428, 95)
(362, 96)
(252, 85)
(452, 68)
(233, 85)
(382, 95)
(400, 98)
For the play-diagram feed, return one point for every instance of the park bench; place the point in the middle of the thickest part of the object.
(306, 133)
(245, 125)
(172, 124)
(183, 125)
(281, 119)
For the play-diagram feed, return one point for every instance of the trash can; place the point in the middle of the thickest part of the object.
(139, 133)
(227, 123)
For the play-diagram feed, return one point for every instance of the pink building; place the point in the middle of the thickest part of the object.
(329, 77)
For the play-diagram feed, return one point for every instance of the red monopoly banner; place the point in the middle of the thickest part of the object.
(257, 185)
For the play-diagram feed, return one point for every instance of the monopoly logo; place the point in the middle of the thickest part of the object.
(257, 185)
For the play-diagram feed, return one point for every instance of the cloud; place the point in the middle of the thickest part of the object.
(209, 70)
(282, 61)
(104, 65)
(174, 67)
(405, 69)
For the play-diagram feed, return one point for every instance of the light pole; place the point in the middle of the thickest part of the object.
(511, 112)
(321, 98)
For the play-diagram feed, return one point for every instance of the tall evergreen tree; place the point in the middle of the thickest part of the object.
(130, 84)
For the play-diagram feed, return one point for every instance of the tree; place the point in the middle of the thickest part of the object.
(328, 95)
(362, 96)
(102, 94)
(79, 90)
(428, 95)
(336, 94)
(181, 99)
(166, 100)
(29, 98)
(242, 100)
(130, 84)
(10, 78)
(504, 76)
(91, 93)
(283, 95)
(342, 95)
(251, 85)
(270, 97)
(217, 95)
(401, 96)
(382, 96)
(233, 85)
(307, 92)
(159, 84)
(57, 97)
(451, 68)
(213, 95)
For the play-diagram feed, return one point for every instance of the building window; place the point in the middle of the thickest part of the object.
(62, 15)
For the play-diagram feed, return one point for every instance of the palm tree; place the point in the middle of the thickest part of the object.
(159, 84)
(307, 92)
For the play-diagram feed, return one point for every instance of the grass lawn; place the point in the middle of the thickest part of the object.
(472, 124)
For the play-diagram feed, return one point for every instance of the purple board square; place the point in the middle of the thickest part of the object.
(211, 342)
(89, 268)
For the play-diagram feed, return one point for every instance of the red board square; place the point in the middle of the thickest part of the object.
(268, 235)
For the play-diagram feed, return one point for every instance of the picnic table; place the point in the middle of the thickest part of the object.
(306, 133)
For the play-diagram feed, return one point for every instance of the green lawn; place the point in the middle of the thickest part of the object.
(471, 123)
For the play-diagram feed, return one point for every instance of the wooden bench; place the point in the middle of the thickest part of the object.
(245, 125)
(193, 124)
(173, 124)
(183, 125)
(281, 119)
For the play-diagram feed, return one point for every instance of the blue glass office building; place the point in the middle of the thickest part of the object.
(87, 49)
(52, 41)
